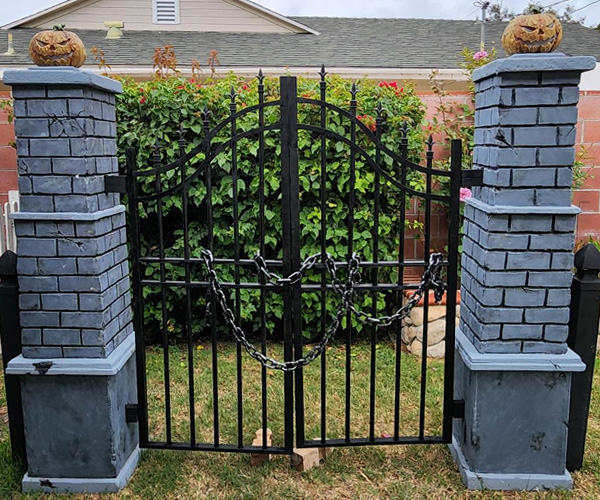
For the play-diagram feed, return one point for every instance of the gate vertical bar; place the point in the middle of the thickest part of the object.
(10, 341)
(137, 304)
(290, 210)
(451, 280)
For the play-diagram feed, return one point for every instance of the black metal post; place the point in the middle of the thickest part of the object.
(10, 338)
(583, 335)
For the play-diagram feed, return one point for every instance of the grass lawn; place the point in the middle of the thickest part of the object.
(397, 472)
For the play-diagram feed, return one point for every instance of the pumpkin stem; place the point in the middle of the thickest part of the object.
(59, 27)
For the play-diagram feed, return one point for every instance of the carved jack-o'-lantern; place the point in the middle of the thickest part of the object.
(532, 33)
(57, 47)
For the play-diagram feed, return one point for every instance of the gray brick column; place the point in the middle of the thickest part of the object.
(77, 361)
(513, 364)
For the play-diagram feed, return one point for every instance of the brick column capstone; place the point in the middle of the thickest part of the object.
(513, 363)
(75, 307)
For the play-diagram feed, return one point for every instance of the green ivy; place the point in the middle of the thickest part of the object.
(153, 111)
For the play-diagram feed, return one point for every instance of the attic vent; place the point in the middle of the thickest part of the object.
(165, 11)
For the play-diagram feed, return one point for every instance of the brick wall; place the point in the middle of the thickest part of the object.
(8, 155)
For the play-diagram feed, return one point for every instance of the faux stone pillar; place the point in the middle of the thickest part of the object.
(512, 365)
(77, 363)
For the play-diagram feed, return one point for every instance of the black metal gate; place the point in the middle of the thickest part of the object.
(261, 209)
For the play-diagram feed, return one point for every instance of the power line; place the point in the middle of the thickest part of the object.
(585, 6)
(471, 13)
(555, 3)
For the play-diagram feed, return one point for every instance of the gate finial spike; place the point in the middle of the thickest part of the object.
(354, 91)
(182, 133)
(232, 94)
(260, 76)
(156, 156)
(205, 113)
(430, 143)
(323, 73)
(379, 110)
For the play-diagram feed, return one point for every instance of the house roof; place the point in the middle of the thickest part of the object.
(73, 3)
(342, 43)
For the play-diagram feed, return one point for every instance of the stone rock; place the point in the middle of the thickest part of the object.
(408, 334)
(435, 333)
(435, 312)
(435, 351)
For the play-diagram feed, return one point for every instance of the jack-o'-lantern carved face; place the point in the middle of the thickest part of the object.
(532, 33)
(57, 48)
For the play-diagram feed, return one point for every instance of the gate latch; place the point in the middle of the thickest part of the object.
(471, 178)
(131, 413)
(115, 184)
(458, 408)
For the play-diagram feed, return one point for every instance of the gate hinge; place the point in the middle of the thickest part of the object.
(458, 408)
(115, 184)
(131, 413)
(473, 177)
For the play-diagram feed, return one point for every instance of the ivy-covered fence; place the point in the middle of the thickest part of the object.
(155, 116)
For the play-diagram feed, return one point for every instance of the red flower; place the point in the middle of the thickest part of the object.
(383, 84)
(393, 84)
(192, 80)
(141, 90)
(373, 127)
(401, 89)
(244, 86)
(143, 100)
(181, 86)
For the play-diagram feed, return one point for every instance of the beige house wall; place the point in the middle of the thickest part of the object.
(195, 15)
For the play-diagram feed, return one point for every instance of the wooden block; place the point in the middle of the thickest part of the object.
(324, 453)
(305, 459)
(261, 458)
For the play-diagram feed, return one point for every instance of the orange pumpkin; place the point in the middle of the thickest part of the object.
(532, 33)
(57, 47)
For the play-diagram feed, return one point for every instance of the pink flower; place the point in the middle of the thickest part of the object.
(482, 54)
(465, 193)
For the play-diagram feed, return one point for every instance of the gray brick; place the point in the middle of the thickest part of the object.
(505, 241)
(561, 77)
(528, 260)
(47, 108)
(89, 146)
(22, 146)
(37, 247)
(76, 203)
(556, 333)
(54, 229)
(107, 165)
(517, 116)
(30, 203)
(34, 166)
(76, 127)
(534, 136)
(544, 348)
(81, 247)
(95, 265)
(60, 302)
(496, 177)
(108, 112)
(562, 261)
(29, 302)
(569, 95)
(524, 297)
(498, 347)
(553, 197)
(61, 336)
(512, 197)
(559, 297)
(499, 315)
(39, 318)
(553, 279)
(552, 242)
(88, 185)
(96, 228)
(20, 108)
(65, 92)
(28, 92)
(74, 166)
(31, 336)
(567, 135)
(25, 185)
(558, 115)
(537, 96)
(547, 315)
(60, 266)
(85, 319)
(27, 266)
(531, 177)
(531, 223)
(82, 283)
(24, 228)
(49, 147)
(92, 337)
(560, 156)
(32, 127)
(84, 352)
(42, 352)
(85, 108)
(564, 177)
(38, 284)
(52, 185)
(522, 332)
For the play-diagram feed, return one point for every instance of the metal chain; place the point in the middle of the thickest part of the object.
(431, 278)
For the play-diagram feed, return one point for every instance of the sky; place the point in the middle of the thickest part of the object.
(448, 9)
